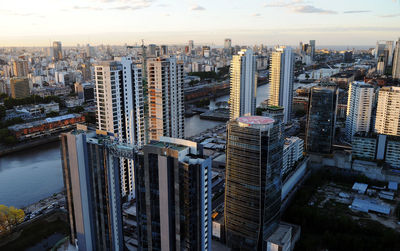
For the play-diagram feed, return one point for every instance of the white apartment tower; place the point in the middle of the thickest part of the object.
(388, 111)
(243, 84)
(120, 108)
(281, 79)
(359, 108)
(396, 61)
(166, 108)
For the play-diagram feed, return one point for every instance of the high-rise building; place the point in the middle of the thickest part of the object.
(19, 87)
(120, 108)
(312, 49)
(165, 98)
(227, 43)
(152, 50)
(57, 50)
(389, 51)
(191, 46)
(164, 50)
(388, 113)
(20, 68)
(321, 119)
(173, 192)
(253, 181)
(91, 171)
(281, 79)
(242, 97)
(396, 61)
(359, 108)
(379, 49)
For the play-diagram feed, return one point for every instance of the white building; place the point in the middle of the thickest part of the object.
(359, 108)
(292, 151)
(388, 112)
(120, 108)
(281, 80)
(243, 85)
(166, 98)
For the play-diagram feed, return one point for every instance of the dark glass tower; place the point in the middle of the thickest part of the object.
(320, 131)
(173, 194)
(253, 181)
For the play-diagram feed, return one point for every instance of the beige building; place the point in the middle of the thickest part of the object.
(19, 87)
(388, 111)
(166, 108)
(20, 68)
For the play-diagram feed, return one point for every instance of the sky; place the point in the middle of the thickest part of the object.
(269, 22)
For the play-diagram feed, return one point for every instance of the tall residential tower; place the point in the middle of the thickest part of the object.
(281, 79)
(166, 108)
(388, 113)
(242, 97)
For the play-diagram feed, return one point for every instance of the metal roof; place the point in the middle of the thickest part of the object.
(369, 205)
(393, 186)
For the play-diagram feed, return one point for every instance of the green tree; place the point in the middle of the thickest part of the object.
(52, 114)
(9, 218)
(2, 111)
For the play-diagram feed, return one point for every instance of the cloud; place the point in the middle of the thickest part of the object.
(20, 14)
(86, 8)
(197, 8)
(299, 6)
(356, 11)
(311, 9)
(163, 5)
(256, 14)
(390, 15)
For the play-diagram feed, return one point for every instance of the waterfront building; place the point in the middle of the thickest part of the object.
(321, 119)
(396, 61)
(359, 108)
(388, 113)
(91, 168)
(120, 108)
(166, 108)
(242, 97)
(281, 80)
(19, 87)
(57, 51)
(253, 181)
(173, 191)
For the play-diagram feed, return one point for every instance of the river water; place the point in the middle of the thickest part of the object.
(31, 175)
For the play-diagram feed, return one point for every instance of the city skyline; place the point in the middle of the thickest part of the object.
(114, 22)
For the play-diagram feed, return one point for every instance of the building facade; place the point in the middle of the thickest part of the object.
(166, 108)
(20, 68)
(292, 152)
(253, 181)
(396, 61)
(388, 113)
(321, 118)
(242, 97)
(281, 79)
(174, 196)
(120, 108)
(57, 50)
(359, 108)
(19, 87)
(91, 164)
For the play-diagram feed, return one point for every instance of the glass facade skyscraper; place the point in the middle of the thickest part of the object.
(320, 131)
(253, 181)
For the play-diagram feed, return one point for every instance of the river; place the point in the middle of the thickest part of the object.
(29, 176)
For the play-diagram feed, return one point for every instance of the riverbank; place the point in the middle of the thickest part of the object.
(27, 145)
